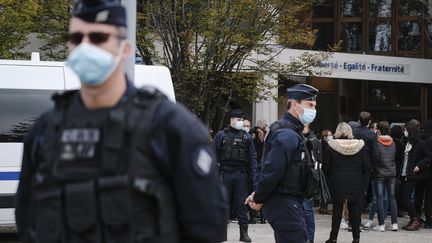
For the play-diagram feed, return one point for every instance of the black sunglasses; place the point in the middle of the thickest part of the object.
(94, 37)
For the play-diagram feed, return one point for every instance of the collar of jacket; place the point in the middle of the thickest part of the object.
(298, 126)
(385, 140)
(346, 146)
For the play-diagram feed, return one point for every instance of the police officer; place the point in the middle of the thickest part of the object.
(285, 179)
(110, 163)
(237, 160)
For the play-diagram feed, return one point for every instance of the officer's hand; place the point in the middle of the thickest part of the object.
(255, 206)
(249, 199)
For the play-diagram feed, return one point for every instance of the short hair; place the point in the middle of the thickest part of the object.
(325, 132)
(396, 132)
(290, 101)
(344, 130)
(383, 126)
(364, 118)
(261, 123)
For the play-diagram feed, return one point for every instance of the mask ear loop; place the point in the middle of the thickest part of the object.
(117, 60)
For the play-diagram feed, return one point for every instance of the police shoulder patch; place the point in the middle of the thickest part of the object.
(203, 163)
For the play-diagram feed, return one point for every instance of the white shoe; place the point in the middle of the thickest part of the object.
(343, 224)
(394, 227)
(380, 228)
(368, 224)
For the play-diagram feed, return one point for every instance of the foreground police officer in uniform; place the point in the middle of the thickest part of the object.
(285, 179)
(237, 163)
(110, 163)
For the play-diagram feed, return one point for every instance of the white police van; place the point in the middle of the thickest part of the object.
(25, 91)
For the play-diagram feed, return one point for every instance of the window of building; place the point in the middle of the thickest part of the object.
(324, 10)
(351, 8)
(388, 27)
(409, 8)
(409, 36)
(352, 36)
(325, 35)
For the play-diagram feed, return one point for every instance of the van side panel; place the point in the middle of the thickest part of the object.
(31, 77)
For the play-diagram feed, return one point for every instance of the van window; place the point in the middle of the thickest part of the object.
(19, 108)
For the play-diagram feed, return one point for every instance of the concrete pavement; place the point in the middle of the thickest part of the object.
(262, 233)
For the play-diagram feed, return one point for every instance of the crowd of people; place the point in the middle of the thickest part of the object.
(370, 167)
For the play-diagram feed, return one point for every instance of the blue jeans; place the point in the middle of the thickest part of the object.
(309, 218)
(374, 207)
(386, 186)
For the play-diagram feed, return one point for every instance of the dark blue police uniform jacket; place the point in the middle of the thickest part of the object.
(283, 210)
(251, 152)
(176, 145)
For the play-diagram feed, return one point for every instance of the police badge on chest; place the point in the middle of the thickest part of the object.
(79, 143)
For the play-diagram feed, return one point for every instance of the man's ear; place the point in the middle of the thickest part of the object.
(126, 49)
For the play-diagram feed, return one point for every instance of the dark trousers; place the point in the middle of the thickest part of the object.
(407, 188)
(353, 208)
(286, 216)
(236, 184)
(423, 191)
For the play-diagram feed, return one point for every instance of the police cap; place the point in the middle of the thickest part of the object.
(237, 113)
(302, 92)
(101, 11)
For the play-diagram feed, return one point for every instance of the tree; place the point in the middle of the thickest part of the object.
(52, 27)
(221, 49)
(16, 22)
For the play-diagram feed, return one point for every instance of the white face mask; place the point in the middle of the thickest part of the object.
(246, 129)
(406, 133)
(329, 138)
(238, 125)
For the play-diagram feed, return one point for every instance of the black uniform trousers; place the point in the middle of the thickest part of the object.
(286, 216)
(236, 184)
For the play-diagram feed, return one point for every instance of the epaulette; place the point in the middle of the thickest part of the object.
(63, 98)
(147, 93)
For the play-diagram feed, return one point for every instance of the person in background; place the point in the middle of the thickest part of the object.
(384, 176)
(424, 187)
(396, 133)
(315, 148)
(373, 127)
(415, 167)
(345, 166)
(326, 136)
(370, 139)
(247, 126)
(286, 178)
(237, 164)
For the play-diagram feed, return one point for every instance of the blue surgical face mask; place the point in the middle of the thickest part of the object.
(238, 125)
(308, 115)
(92, 64)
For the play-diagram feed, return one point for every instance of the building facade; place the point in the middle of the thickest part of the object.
(384, 64)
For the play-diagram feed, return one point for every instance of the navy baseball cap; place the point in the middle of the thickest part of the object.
(237, 113)
(302, 92)
(101, 11)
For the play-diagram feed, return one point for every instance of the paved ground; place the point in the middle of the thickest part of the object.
(263, 233)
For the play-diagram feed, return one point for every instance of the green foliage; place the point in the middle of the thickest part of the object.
(51, 26)
(218, 50)
(16, 22)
